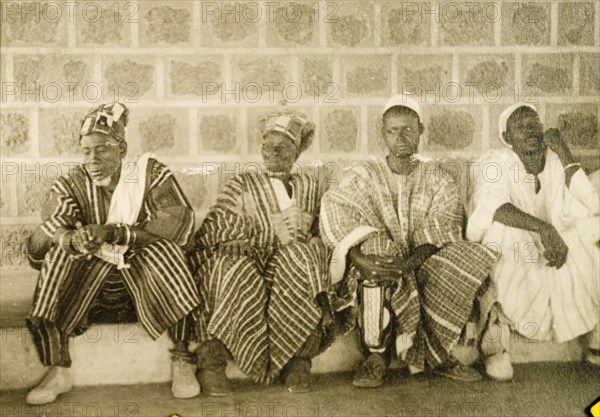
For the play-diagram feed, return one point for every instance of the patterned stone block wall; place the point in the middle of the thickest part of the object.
(198, 75)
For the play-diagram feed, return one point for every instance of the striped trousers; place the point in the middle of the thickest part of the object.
(113, 305)
(264, 308)
(427, 315)
(157, 289)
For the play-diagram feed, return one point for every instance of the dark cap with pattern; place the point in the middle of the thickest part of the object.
(110, 119)
(293, 125)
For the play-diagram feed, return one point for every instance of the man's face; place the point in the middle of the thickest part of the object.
(402, 131)
(525, 133)
(278, 151)
(102, 155)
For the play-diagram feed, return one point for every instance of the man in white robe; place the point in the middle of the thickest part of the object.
(534, 204)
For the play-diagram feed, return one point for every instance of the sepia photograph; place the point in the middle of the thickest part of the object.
(303, 208)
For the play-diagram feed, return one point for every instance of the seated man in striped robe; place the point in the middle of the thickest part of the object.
(398, 221)
(111, 248)
(262, 269)
(535, 205)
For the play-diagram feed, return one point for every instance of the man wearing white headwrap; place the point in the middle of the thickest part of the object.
(533, 203)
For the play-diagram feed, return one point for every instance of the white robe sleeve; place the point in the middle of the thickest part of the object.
(582, 189)
(491, 189)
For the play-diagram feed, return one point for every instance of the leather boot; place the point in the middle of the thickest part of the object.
(183, 367)
(212, 362)
(298, 377)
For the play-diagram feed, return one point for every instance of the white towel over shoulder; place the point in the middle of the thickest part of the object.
(125, 206)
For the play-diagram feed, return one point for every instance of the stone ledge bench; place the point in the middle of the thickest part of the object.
(125, 354)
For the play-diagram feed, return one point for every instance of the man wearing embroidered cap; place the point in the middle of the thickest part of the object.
(541, 212)
(398, 221)
(263, 270)
(110, 249)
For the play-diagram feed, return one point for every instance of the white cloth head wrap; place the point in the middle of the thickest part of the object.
(503, 120)
(404, 100)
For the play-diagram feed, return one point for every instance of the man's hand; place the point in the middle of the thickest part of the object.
(379, 269)
(89, 238)
(100, 233)
(555, 142)
(556, 249)
(236, 248)
(80, 244)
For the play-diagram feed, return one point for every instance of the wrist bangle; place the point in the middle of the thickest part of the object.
(113, 231)
(133, 237)
(126, 235)
(574, 164)
(118, 234)
(123, 235)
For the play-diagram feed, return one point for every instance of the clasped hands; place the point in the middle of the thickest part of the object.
(378, 269)
(88, 239)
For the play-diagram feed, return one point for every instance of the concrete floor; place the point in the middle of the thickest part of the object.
(538, 389)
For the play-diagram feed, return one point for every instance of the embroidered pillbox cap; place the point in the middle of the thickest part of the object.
(110, 119)
(404, 100)
(290, 125)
